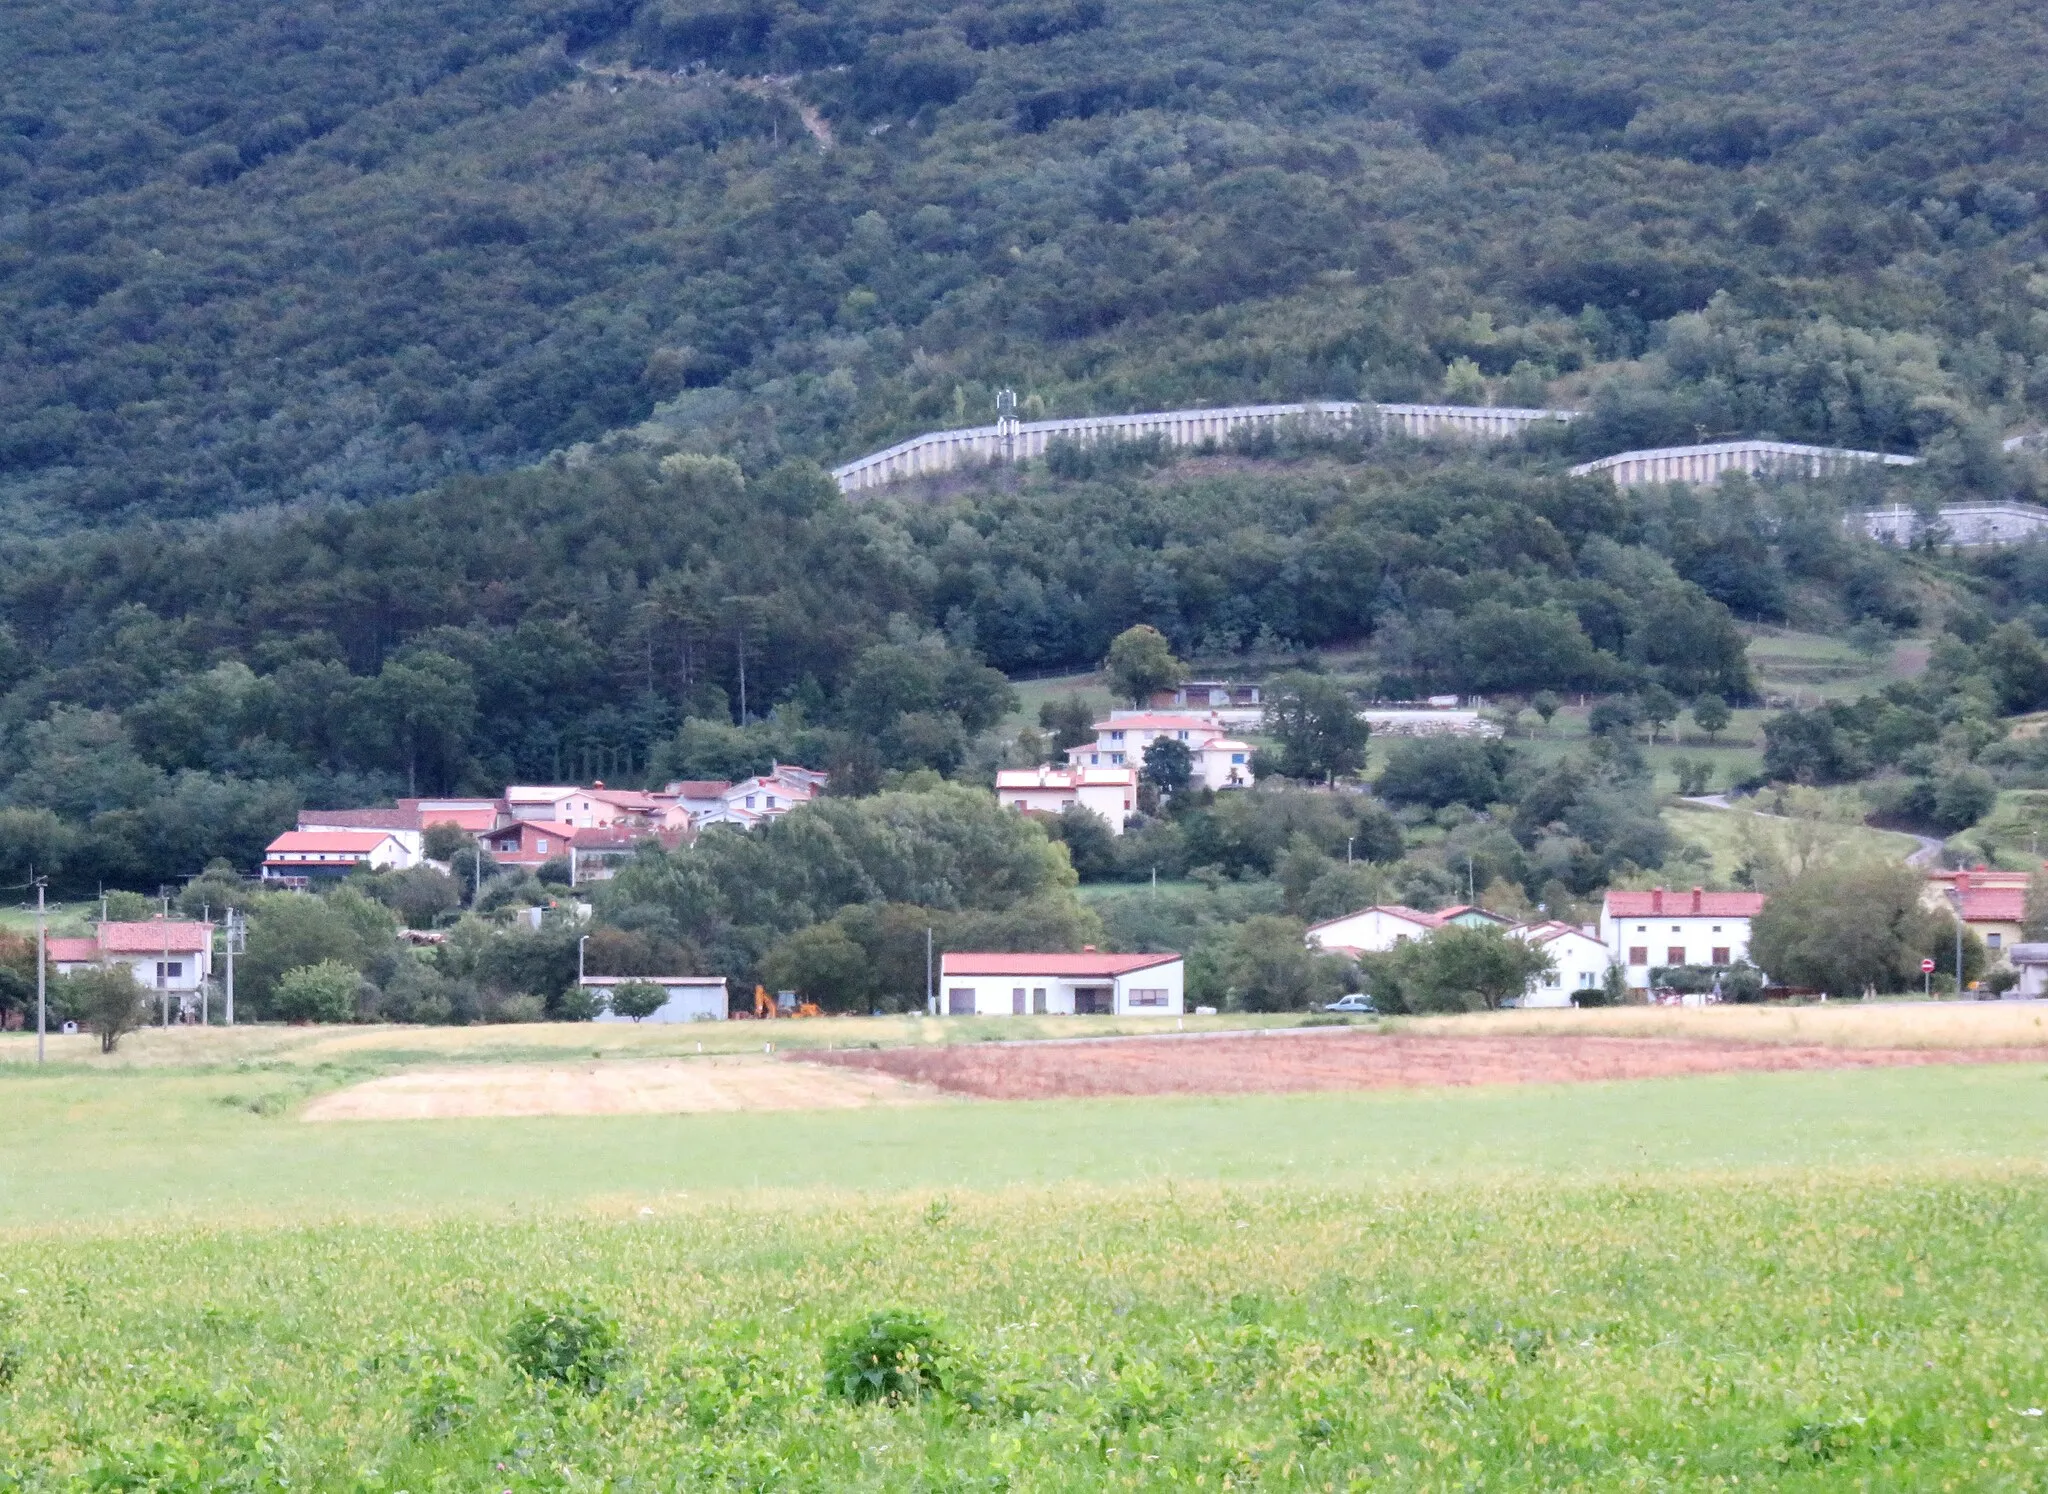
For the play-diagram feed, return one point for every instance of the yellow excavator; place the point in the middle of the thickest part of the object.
(765, 1007)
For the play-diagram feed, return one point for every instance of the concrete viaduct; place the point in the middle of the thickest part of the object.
(944, 451)
(1698, 464)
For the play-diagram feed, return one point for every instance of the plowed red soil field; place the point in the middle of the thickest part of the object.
(1350, 1060)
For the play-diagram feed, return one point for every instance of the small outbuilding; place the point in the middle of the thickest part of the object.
(691, 998)
(1086, 984)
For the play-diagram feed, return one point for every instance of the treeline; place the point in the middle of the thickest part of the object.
(249, 257)
(172, 697)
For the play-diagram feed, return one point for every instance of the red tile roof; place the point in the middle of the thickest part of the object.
(698, 788)
(146, 938)
(1396, 910)
(304, 842)
(1994, 904)
(1159, 721)
(981, 963)
(1663, 902)
(72, 951)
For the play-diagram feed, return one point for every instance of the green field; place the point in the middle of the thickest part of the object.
(1797, 1280)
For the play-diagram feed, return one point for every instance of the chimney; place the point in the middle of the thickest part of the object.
(1962, 881)
(1656, 900)
(1087, 949)
(1696, 902)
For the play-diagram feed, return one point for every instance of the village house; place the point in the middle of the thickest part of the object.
(1991, 903)
(1645, 930)
(298, 857)
(688, 799)
(1379, 928)
(1578, 962)
(1218, 760)
(1086, 984)
(173, 958)
(1110, 792)
(400, 822)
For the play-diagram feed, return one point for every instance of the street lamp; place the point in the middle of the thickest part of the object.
(579, 959)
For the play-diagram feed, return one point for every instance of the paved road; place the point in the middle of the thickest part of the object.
(1927, 853)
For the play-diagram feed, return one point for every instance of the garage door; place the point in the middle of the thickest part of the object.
(960, 1001)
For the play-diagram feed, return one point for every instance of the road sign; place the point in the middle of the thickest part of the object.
(1927, 967)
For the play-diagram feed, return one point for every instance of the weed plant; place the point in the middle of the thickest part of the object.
(1807, 1331)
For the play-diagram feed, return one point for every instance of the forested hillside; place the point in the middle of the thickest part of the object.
(171, 697)
(253, 254)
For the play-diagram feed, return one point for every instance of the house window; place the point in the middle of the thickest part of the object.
(1182, 735)
(1017, 1001)
(1018, 804)
(1117, 758)
(1642, 928)
(541, 845)
(1587, 980)
(1116, 736)
(169, 970)
(750, 801)
(1094, 759)
(1994, 941)
(960, 1001)
(1151, 996)
(1721, 955)
(1550, 978)
(1717, 928)
(1675, 955)
(771, 801)
(1638, 955)
(1237, 759)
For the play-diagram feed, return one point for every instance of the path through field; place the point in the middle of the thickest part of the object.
(1351, 1060)
(670, 1087)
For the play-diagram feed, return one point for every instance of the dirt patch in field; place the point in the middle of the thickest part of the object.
(1348, 1060)
(671, 1087)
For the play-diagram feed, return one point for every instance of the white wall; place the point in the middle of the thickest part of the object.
(684, 1004)
(1369, 930)
(1575, 957)
(1659, 934)
(996, 995)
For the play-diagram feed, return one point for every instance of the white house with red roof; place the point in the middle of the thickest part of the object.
(299, 856)
(173, 957)
(1578, 962)
(1645, 930)
(1218, 759)
(1090, 983)
(400, 821)
(1110, 792)
(1379, 928)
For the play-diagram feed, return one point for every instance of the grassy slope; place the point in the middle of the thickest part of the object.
(1728, 835)
(142, 1146)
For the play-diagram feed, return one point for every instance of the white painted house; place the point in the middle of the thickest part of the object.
(1110, 792)
(1578, 962)
(1218, 759)
(691, 998)
(1646, 930)
(1371, 930)
(171, 957)
(299, 856)
(1085, 984)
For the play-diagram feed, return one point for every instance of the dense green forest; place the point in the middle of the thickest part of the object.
(254, 255)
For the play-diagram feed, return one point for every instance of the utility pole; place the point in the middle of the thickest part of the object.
(234, 941)
(1959, 949)
(931, 997)
(163, 970)
(42, 963)
(579, 960)
(1349, 841)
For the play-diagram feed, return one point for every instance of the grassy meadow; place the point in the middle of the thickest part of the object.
(1791, 1280)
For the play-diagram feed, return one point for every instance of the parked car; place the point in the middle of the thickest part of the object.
(1357, 1002)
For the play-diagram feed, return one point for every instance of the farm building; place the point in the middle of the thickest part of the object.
(691, 998)
(1085, 984)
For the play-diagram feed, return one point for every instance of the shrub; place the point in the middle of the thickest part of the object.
(325, 992)
(893, 1355)
(567, 1340)
(104, 998)
(637, 999)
